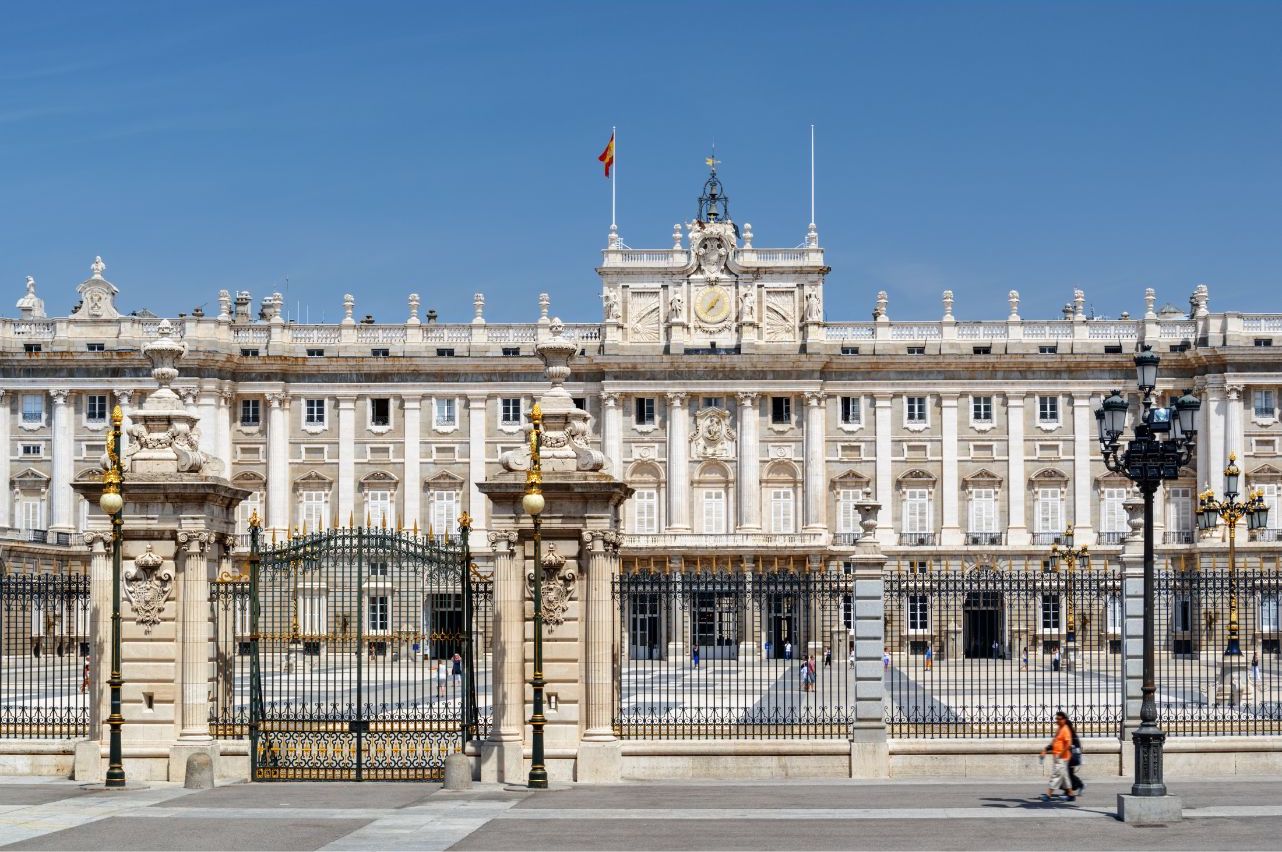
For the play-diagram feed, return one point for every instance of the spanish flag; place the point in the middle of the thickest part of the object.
(607, 156)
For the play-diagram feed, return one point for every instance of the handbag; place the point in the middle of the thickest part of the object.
(1076, 759)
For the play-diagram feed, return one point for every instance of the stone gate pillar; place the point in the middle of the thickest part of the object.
(1132, 571)
(869, 748)
(501, 753)
(178, 521)
(578, 562)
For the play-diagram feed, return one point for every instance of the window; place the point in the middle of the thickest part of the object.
(981, 409)
(580, 402)
(250, 506)
(915, 409)
(646, 506)
(918, 566)
(1049, 515)
(445, 353)
(983, 510)
(917, 511)
(95, 347)
(1048, 409)
(1179, 510)
(1183, 614)
(981, 350)
(1269, 490)
(30, 348)
(1050, 349)
(1050, 612)
(446, 413)
(918, 613)
(1112, 514)
(510, 411)
(850, 350)
(33, 408)
(714, 512)
(33, 450)
(249, 353)
(378, 568)
(1113, 349)
(379, 614)
(1264, 341)
(645, 410)
(916, 350)
(847, 513)
(314, 412)
(1269, 613)
(851, 414)
(782, 516)
(380, 411)
(31, 514)
(312, 612)
(1265, 406)
(780, 409)
(712, 402)
(1114, 619)
(313, 510)
(511, 351)
(96, 407)
(378, 508)
(250, 412)
(315, 353)
(380, 353)
(445, 512)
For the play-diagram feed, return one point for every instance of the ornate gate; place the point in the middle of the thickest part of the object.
(362, 663)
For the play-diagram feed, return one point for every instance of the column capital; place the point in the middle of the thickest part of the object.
(882, 399)
(747, 397)
(412, 401)
(124, 397)
(676, 398)
(610, 399)
(60, 395)
(346, 402)
(602, 541)
(502, 541)
(97, 540)
(814, 399)
(196, 541)
(1014, 399)
(226, 397)
(1234, 391)
(477, 400)
(948, 399)
(278, 399)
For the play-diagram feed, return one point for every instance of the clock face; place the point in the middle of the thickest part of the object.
(713, 304)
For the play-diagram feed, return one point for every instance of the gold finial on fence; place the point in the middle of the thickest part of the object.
(253, 515)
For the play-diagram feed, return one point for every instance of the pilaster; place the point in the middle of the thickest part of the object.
(412, 481)
(6, 493)
(885, 482)
(749, 497)
(815, 467)
(277, 464)
(950, 533)
(1017, 527)
(477, 504)
(678, 463)
(63, 458)
(612, 432)
(347, 458)
(501, 752)
(1083, 482)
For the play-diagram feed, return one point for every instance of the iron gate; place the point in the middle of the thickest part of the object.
(362, 663)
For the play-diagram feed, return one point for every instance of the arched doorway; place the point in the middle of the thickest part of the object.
(983, 625)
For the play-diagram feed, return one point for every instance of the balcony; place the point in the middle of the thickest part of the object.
(1177, 537)
(985, 539)
(1266, 535)
(1113, 537)
(917, 539)
(846, 539)
(46, 537)
(1048, 538)
(731, 542)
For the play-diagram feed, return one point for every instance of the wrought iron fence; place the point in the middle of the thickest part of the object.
(994, 650)
(229, 627)
(44, 655)
(717, 651)
(1202, 688)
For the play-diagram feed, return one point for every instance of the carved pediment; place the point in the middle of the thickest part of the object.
(915, 475)
(97, 295)
(378, 478)
(30, 478)
(1265, 473)
(850, 479)
(313, 478)
(249, 479)
(1049, 475)
(982, 478)
(443, 480)
(713, 436)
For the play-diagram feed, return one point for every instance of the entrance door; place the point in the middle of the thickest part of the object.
(782, 624)
(643, 628)
(982, 625)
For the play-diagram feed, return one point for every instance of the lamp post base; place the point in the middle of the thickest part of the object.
(1149, 810)
(1148, 739)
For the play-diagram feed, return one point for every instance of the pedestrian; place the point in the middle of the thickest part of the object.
(787, 650)
(827, 657)
(1055, 659)
(765, 647)
(930, 657)
(442, 678)
(1255, 669)
(1075, 761)
(1061, 752)
(694, 657)
(457, 666)
(885, 659)
(84, 678)
(808, 674)
(1023, 660)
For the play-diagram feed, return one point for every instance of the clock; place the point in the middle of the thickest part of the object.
(712, 305)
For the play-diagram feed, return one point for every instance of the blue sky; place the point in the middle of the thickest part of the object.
(388, 148)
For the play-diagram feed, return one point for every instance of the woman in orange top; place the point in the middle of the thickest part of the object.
(1061, 749)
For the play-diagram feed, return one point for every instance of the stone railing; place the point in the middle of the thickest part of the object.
(731, 542)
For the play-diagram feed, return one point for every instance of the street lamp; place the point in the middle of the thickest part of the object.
(1232, 510)
(533, 502)
(1071, 558)
(113, 504)
(1163, 443)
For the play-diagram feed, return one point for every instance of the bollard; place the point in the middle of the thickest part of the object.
(458, 772)
(200, 772)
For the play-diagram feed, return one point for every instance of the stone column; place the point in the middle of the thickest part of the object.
(885, 466)
(347, 463)
(678, 463)
(869, 750)
(1214, 441)
(412, 481)
(612, 433)
(602, 564)
(225, 414)
(64, 446)
(99, 542)
(6, 449)
(749, 497)
(815, 463)
(501, 752)
(1083, 482)
(277, 464)
(193, 553)
(1234, 440)
(1131, 561)
(1017, 528)
(951, 532)
(1203, 432)
(477, 505)
(207, 410)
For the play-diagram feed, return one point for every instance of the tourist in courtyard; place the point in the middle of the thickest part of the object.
(787, 650)
(1255, 669)
(457, 665)
(827, 657)
(885, 658)
(84, 678)
(1061, 751)
(930, 657)
(694, 658)
(442, 678)
(808, 674)
(1055, 660)
(1023, 660)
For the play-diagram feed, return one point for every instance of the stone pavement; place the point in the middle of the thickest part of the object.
(783, 814)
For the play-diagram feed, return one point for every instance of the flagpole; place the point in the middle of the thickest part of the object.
(812, 175)
(614, 174)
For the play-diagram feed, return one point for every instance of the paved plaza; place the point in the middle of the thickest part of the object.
(795, 814)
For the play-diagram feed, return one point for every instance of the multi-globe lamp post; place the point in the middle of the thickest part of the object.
(533, 502)
(1209, 512)
(1162, 444)
(113, 503)
(1063, 553)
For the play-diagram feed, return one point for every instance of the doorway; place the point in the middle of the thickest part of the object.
(983, 626)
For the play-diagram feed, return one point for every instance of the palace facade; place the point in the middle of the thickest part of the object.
(747, 421)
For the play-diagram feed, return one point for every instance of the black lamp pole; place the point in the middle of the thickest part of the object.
(112, 502)
(1163, 443)
(533, 502)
